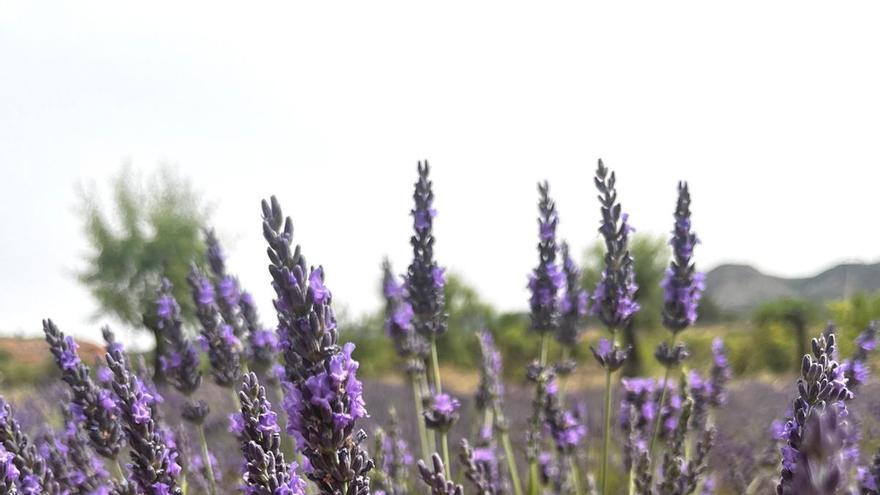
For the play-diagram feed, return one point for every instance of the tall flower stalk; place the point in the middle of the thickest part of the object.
(545, 282)
(154, 465)
(489, 399)
(821, 386)
(425, 281)
(266, 472)
(410, 346)
(181, 366)
(324, 397)
(614, 297)
(93, 406)
(683, 287)
(573, 308)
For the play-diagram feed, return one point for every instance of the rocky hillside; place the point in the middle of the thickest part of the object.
(739, 288)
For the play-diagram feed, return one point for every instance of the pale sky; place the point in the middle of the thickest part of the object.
(771, 110)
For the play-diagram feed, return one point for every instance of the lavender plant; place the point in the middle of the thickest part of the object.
(683, 287)
(324, 397)
(266, 473)
(820, 387)
(154, 465)
(411, 347)
(614, 297)
(34, 478)
(219, 338)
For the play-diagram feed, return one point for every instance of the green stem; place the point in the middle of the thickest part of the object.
(544, 346)
(607, 432)
(444, 442)
(576, 476)
(420, 417)
(206, 460)
(435, 365)
(566, 354)
(534, 478)
(659, 419)
(426, 391)
(117, 467)
(511, 463)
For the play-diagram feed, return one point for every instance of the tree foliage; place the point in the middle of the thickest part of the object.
(152, 229)
(797, 314)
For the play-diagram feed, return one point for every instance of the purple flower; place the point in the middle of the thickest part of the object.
(181, 362)
(154, 465)
(217, 335)
(69, 359)
(324, 397)
(442, 412)
(614, 296)
(424, 279)
(547, 279)
(573, 303)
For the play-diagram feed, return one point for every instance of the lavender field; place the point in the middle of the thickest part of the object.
(238, 402)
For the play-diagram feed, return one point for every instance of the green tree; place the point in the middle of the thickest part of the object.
(153, 229)
(651, 255)
(797, 314)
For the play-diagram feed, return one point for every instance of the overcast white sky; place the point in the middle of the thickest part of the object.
(770, 109)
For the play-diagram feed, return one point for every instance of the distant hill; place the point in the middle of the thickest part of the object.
(739, 288)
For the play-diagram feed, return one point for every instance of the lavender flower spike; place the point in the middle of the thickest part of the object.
(93, 405)
(324, 396)
(33, 475)
(683, 285)
(224, 348)
(573, 305)
(8, 473)
(410, 346)
(436, 480)
(855, 369)
(614, 296)
(819, 464)
(181, 362)
(425, 279)
(266, 472)
(820, 387)
(547, 279)
(154, 463)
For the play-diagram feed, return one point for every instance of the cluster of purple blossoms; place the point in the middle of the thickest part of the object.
(425, 279)
(33, 475)
(92, 405)
(709, 392)
(262, 342)
(547, 279)
(869, 477)
(855, 369)
(609, 355)
(324, 397)
(566, 427)
(821, 386)
(574, 303)
(436, 479)
(614, 297)
(640, 409)
(481, 469)
(67, 455)
(393, 459)
(154, 467)
(8, 473)
(408, 344)
(217, 336)
(490, 390)
(266, 473)
(683, 285)
(818, 463)
(442, 412)
(181, 361)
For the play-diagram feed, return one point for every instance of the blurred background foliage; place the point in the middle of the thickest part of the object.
(151, 228)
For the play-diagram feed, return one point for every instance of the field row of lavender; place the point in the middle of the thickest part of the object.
(281, 411)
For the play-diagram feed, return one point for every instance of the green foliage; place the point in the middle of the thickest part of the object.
(152, 230)
(799, 315)
(852, 316)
